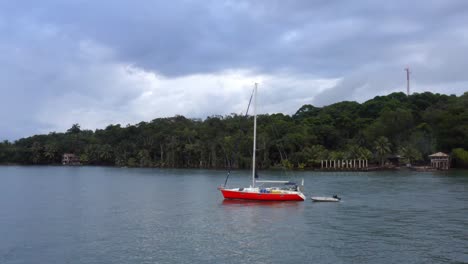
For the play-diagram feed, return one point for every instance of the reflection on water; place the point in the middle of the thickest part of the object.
(111, 215)
(271, 204)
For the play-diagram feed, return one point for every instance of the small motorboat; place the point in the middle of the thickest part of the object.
(334, 198)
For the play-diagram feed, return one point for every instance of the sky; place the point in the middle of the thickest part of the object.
(121, 62)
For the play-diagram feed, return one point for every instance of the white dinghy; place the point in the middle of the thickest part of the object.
(335, 198)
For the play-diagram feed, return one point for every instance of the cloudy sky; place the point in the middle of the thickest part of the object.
(101, 62)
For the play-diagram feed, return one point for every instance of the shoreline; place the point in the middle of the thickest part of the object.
(369, 169)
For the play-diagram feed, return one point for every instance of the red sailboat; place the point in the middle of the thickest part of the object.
(287, 191)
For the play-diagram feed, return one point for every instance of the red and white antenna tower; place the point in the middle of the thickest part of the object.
(407, 80)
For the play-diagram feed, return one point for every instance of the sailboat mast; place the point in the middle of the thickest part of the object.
(254, 136)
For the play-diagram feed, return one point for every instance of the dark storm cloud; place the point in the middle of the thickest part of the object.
(54, 51)
(184, 37)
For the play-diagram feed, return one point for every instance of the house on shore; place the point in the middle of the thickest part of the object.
(70, 159)
(440, 161)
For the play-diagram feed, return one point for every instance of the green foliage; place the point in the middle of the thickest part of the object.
(416, 126)
(314, 154)
(301, 166)
(144, 158)
(460, 157)
(410, 154)
(287, 164)
(84, 159)
(74, 129)
(51, 153)
(37, 153)
(382, 148)
(365, 154)
(357, 152)
(132, 162)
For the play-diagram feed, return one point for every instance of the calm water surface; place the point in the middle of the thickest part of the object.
(111, 215)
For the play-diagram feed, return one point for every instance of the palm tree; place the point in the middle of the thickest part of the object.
(365, 154)
(74, 129)
(352, 152)
(91, 153)
(36, 150)
(84, 159)
(410, 154)
(144, 158)
(382, 148)
(105, 153)
(50, 152)
(336, 155)
(314, 154)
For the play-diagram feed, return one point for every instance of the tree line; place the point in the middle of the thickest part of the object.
(396, 124)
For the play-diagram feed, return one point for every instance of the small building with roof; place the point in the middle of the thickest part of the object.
(70, 159)
(440, 161)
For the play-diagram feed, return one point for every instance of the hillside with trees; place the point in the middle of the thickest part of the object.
(410, 126)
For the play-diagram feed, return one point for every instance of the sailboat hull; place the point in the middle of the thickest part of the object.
(257, 196)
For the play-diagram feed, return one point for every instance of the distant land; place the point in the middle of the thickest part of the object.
(411, 127)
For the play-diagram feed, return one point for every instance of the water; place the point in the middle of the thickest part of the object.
(111, 215)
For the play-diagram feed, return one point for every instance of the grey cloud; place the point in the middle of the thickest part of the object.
(53, 51)
(184, 37)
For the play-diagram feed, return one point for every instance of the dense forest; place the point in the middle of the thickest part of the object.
(410, 126)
